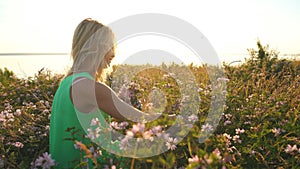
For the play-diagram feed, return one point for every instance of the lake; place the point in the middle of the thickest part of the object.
(25, 65)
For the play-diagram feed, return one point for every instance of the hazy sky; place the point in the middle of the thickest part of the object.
(230, 26)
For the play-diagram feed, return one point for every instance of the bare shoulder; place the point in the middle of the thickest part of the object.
(103, 91)
(82, 93)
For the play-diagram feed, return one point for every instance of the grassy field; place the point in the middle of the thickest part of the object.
(256, 122)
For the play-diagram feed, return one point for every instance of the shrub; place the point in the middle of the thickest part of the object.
(259, 127)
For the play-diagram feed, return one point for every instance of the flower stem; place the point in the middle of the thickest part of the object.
(133, 159)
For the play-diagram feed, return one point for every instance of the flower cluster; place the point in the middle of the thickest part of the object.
(45, 162)
(292, 149)
(119, 126)
(213, 159)
(25, 107)
(139, 133)
(258, 127)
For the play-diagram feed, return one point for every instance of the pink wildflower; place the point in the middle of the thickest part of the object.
(276, 131)
(227, 122)
(194, 159)
(124, 94)
(207, 127)
(18, 144)
(239, 131)
(217, 153)
(138, 128)
(237, 139)
(227, 136)
(94, 121)
(171, 143)
(93, 134)
(290, 149)
(17, 112)
(193, 118)
(45, 161)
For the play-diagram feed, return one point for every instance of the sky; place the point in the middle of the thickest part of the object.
(231, 26)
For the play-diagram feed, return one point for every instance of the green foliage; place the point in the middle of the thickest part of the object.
(259, 128)
(24, 120)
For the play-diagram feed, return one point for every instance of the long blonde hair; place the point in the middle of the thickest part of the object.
(91, 42)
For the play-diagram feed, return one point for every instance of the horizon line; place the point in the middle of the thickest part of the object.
(36, 53)
(66, 53)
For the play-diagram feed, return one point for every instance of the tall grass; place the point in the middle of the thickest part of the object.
(259, 128)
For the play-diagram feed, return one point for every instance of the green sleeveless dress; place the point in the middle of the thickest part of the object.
(67, 124)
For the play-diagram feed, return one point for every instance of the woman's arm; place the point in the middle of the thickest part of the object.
(110, 103)
(85, 99)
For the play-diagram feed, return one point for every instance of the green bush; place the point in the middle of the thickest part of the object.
(259, 127)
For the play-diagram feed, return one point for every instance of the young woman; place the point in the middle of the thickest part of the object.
(82, 96)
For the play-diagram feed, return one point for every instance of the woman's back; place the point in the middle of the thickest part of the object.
(68, 124)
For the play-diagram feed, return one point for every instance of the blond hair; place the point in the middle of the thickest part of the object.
(91, 42)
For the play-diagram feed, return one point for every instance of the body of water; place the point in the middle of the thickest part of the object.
(26, 65)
